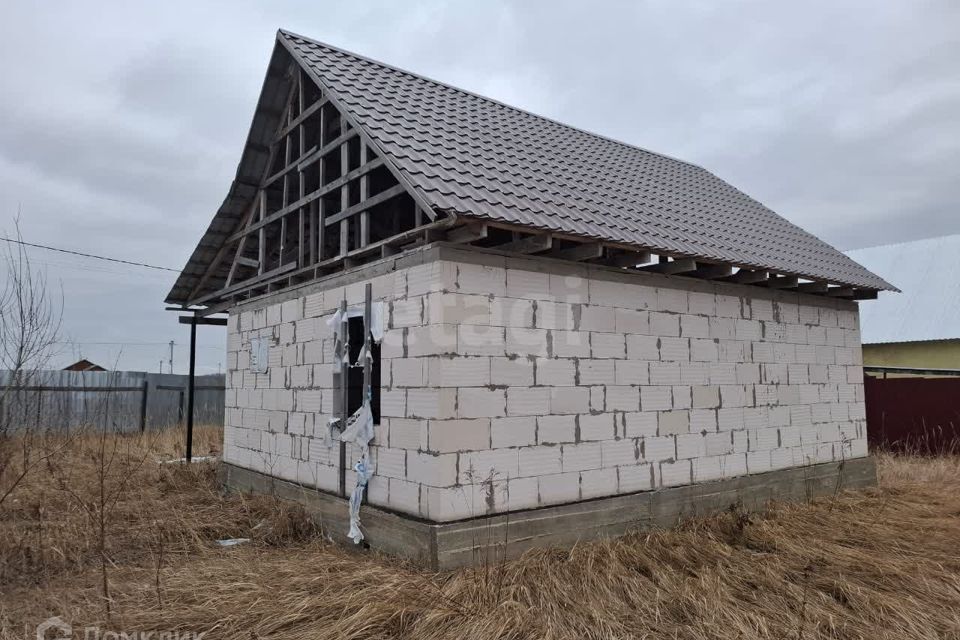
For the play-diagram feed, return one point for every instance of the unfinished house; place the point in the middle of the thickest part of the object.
(456, 326)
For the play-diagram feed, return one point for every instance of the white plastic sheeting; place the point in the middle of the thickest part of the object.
(929, 307)
(359, 427)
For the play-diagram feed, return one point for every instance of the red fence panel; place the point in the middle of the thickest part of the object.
(913, 414)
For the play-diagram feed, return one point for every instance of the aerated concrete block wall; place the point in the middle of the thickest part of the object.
(513, 383)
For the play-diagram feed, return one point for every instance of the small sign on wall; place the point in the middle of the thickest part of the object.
(259, 354)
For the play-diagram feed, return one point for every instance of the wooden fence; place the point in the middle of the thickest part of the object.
(119, 400)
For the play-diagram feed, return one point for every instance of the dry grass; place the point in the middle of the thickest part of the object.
(876, 564)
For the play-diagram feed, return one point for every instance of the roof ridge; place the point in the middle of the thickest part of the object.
(491, 100)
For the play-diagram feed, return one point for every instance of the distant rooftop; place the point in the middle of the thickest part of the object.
(927, 273)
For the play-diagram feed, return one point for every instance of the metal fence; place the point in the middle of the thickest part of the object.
(118, 400)
(914, 410)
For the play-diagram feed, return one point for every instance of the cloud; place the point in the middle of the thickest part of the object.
(123, 126)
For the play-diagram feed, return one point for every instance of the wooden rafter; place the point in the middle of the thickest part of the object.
(289, 217)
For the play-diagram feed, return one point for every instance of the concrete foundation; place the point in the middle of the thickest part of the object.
(448, 545)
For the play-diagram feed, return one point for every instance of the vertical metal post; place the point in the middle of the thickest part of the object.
(143, 406)
(367, 345)
(190, 381)
(344, 391)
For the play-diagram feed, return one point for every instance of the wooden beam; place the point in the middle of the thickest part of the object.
(864, 294)
(248, 283)
(782, 282)
(747, 276)
(326, 149)
(333, 185)
(295, 164)
(530, 244)
(813, 287)
(248, 262)
(585, 251)
(364, 194)
(262, 235)
(681, 265)
(299, 120)
(467, 233)
(840, 292)
(712, 271)
(371, 202)
(344, 194)
(629, 259)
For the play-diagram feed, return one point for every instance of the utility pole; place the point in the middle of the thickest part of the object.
(171, 357)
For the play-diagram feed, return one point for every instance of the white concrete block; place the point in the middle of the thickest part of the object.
(598, 483)
(511, 312)
(622, 398)
(676, 473)
(478, 402)
(640, 424)
(458, 371)
(432, 403)
(511, 372)
(571, 344)
(512, 432)
(554, 315)
(674, 300)
(526, 342)
(703, 304)
(631, 372)
(568, 288)
(407, 312)
(473, 278)
(529, 285)
(615, 453)
(665, 373)
(664, 324)
(581, 457)
(450, 436)
(597, 318)
(533, 401)
(565, 400)
(630, 321)
(643, 347)
(703, 350)
(435, 339)
(539, 461)
(498, 464)
(596, 372)
(556, 429)
(555, 372)
(656, 398)
(475, 340)
(596, 427)
(409, 434)
(607, 345)
(637, 477)
(559, 488)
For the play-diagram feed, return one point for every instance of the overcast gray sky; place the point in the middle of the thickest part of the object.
(121, 123)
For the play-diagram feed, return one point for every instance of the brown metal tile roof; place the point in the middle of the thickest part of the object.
(474, 156)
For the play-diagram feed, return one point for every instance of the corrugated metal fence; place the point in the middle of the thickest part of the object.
(913, 410)
(118, 400)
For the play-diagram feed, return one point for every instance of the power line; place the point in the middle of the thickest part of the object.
(90, 255)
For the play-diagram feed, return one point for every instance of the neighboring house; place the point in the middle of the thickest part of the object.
(568, 329)
(83, 365)
(920, 328)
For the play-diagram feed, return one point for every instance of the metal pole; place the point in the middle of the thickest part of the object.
(193, 361)
(344, 391)
(367, 345)
(143, 407)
